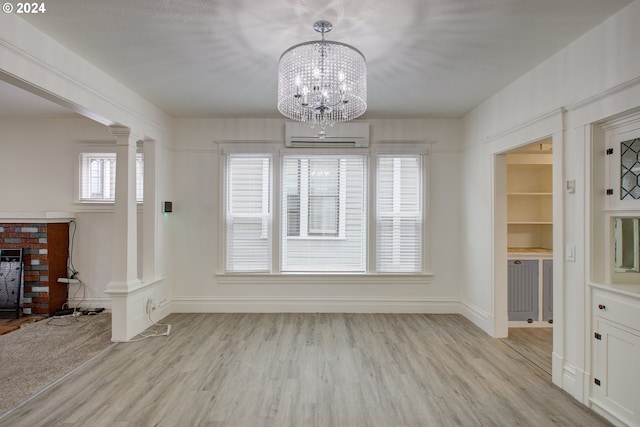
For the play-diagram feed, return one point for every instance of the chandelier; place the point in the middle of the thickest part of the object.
(322, 82)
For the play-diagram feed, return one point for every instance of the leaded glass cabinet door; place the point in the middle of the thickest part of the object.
(623, 164)
(630, 169)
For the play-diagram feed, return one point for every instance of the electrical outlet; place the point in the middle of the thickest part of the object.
(153, 302)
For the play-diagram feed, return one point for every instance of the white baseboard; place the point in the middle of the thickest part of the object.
(477, 316)
(602, 411)
(573, 380)
(313, 305)
(557, 372)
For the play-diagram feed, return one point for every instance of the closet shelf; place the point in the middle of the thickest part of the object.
(529, 223)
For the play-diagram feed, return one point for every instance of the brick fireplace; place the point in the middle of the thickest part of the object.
(45, 250)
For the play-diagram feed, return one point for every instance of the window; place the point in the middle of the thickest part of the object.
(248, 213)
(324, 228)
(98, 177)
(399, 214)
(313, 189)
(319, 209)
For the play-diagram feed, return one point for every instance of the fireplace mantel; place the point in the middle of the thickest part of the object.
(35, 216)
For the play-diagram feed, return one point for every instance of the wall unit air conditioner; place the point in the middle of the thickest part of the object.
(342, 135)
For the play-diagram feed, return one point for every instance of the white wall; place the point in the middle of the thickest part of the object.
(595, 77)
(35, 62)
(196, 238)
(38, 164)
(38, 167)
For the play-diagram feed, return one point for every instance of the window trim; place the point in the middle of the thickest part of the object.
(277, 150)
(422, 148)
(266, 214)
(99, 148)
(394, 214)
(247, 148)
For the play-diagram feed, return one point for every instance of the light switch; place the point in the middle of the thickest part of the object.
(571, 186)
(570, 253)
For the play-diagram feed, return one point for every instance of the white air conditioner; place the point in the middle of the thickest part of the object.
(342, 135)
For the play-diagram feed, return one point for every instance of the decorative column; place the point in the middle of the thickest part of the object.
(124, 262)
(149, 212)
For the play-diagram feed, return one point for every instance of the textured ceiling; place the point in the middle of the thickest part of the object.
(208, 58)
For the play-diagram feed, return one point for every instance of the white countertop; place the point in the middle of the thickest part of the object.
(629, 289)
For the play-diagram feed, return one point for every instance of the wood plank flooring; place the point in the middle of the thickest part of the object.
(308, 370)
(534, 344)
(10, 325)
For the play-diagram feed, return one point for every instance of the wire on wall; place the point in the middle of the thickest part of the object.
(149, 332)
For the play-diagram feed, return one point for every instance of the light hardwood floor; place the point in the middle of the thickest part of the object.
(308, 370)
(534, 344)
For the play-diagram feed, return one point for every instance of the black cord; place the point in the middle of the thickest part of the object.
(70, 267)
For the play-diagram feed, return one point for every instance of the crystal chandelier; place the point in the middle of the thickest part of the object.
(322, 82)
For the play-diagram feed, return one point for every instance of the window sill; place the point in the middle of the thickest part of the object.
(389, 279)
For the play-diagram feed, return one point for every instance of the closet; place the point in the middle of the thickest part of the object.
(530, 233)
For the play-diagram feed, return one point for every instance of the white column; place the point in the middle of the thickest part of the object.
(149, 212)
(124, 262)
(124, 265)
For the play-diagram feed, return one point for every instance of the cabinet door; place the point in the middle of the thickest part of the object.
(623, 164)
(523, 289)
(547, 290)
(617, 374)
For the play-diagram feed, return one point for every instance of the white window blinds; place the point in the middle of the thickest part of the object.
(248, 213)
(324, 200)
(399, 214)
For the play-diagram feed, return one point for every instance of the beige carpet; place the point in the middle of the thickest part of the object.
(39, 353)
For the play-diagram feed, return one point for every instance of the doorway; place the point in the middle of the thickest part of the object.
(529, 181)
(524, 240)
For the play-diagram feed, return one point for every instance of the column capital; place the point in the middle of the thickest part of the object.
(124, 134)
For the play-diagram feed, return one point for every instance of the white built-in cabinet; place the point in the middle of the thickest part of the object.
(615, 270)
(616, 354)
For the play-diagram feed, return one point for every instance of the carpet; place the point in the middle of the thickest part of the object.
(39, 353)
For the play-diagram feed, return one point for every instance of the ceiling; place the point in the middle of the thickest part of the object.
(219, 58)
